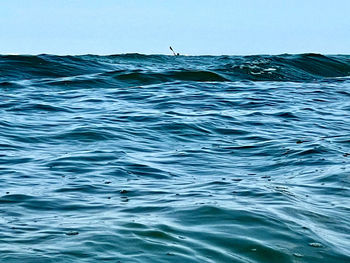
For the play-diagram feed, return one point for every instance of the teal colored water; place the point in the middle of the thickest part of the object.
(135, 158)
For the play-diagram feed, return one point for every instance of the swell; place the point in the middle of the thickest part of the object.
(137, 69)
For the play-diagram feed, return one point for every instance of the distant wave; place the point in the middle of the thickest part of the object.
(141, 69)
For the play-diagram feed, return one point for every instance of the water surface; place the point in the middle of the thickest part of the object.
(135, 158)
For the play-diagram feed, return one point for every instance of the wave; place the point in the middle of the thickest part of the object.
(138, 69)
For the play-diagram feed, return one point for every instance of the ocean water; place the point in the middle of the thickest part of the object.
(135, 158)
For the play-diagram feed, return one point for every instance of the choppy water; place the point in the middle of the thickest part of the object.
(134, 158)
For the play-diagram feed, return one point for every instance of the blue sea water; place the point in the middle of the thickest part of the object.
(135, 158)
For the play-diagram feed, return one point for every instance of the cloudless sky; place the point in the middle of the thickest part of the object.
(191, 26)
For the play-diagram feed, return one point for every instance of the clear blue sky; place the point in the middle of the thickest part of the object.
(190, 26)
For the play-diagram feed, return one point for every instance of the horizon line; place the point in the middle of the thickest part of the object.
(170, 55)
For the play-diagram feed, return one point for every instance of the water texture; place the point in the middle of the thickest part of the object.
(135, 158)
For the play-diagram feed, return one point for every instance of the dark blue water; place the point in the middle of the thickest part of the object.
(134, 158)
